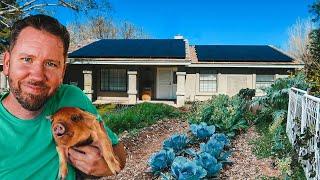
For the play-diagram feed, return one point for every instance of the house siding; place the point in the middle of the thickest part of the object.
(229, 81)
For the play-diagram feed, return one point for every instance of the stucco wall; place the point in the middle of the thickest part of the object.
(229, 81)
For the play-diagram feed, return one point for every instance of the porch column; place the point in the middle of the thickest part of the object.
(181, 81)
(87, 84)
(3, 84)
(132, 87)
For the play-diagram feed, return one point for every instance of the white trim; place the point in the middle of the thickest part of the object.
(248, 65)
(185, 62)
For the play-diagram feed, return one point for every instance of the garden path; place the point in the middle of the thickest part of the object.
(246, 165)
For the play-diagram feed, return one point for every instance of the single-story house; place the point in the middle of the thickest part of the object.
(131, 70)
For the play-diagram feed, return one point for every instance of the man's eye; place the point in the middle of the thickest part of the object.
(27, 59)
(51, 64)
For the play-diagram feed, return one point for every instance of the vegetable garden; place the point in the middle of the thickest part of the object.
(202, 143)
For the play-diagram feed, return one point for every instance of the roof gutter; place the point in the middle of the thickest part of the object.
(247, 65)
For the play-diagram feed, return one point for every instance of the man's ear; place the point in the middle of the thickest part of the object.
(64, 71)
(6, 63)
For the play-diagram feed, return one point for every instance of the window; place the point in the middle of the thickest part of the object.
(263, 81)
(113, 80)
(208, 81)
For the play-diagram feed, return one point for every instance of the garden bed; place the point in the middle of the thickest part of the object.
(149, 140)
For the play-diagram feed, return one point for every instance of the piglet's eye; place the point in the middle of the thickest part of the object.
(76, 117)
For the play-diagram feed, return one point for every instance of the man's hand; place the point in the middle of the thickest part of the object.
(89, 160)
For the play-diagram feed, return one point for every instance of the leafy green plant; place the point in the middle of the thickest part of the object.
(216, 149)
(225, 113)
(247, 93)
(161, 160)
(202, 131)
(209, 163)
(189, 163)
(184, 169)
(221, 138)
(177, 142)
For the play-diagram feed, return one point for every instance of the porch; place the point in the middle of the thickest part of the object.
(126, 102)
(134, 84)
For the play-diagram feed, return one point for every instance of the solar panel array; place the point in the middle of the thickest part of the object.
(132, 48)
(239, 53)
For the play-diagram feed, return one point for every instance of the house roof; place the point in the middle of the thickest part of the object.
(240, 53)
(132, 48)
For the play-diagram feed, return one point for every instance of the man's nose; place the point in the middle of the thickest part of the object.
(37, 72)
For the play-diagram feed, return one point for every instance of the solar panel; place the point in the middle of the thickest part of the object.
(132, 48)
(240, 53)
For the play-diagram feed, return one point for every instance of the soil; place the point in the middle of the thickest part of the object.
(149, 140)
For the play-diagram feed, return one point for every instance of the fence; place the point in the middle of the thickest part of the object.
(303, 130)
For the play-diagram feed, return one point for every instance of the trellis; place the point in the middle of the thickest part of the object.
(303, 130)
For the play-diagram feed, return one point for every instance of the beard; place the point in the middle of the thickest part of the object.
(29, 101)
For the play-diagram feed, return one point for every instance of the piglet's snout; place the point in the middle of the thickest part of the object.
(59, 129)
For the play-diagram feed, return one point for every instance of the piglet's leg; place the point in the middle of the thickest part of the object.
(106, 148)
(63, 168)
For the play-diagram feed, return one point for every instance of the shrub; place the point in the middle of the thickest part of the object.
(226, 114)
(247, 93)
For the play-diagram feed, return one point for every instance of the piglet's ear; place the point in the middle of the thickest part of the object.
(49, 118)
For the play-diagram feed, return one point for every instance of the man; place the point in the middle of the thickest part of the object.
(35, 65)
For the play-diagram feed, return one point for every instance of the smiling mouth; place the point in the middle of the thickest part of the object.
(35, 88)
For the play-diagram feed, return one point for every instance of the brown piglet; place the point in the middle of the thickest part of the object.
(73, 127)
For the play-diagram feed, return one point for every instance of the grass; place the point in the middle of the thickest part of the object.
(106, 108)
(262, 145)
(136, 117)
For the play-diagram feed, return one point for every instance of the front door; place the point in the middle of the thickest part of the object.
(166, 83)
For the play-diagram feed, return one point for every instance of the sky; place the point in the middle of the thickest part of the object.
(225, 22)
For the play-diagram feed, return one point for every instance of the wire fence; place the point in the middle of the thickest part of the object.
(303, 130)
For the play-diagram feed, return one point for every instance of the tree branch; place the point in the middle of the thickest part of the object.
(69, 5)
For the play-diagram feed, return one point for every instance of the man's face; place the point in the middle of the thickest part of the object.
(35, 67)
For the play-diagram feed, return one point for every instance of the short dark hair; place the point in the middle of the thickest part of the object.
(41, 22)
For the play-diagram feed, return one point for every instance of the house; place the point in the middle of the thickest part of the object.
(129, 70)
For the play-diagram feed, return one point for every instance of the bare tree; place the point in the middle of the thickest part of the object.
(101, 28)
(130, 31)
(91, 30)
(25, 7)
(299, 40)
(11, 10)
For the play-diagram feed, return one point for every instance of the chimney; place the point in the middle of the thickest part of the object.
(178, 36)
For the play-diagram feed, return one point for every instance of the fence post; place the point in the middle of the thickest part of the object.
(317, 140)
